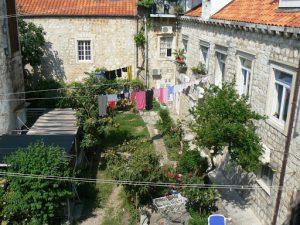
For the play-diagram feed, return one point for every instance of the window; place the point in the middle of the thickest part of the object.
(220, 69)
(84, 50)
(165, 47)
(281, 95)
(245, 76)
(204, 51)
(266, 175)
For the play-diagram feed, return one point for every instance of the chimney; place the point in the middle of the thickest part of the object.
(210, 7)
(289, 3)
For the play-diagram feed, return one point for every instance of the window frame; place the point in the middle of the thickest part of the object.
(264, 180)
(272, 120)
(219, 80)
(205, 45)
(77, 51)
(240, 76)
(159, 47)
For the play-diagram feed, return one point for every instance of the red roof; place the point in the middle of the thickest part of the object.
(258, 11)
(78, 7)
(197, 11)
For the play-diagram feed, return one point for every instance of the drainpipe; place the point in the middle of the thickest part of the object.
(287, 147)
(146, 54)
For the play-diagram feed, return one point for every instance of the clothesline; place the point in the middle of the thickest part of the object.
(143, 99)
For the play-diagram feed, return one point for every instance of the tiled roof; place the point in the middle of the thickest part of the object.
(78, 7)
(195, 11)
(258, 11)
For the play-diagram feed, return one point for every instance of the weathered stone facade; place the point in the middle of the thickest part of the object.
(266, 51)
(112, 44)
(11, 80)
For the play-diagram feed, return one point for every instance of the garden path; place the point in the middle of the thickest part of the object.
(113, 203)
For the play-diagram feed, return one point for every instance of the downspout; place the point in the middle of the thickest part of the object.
(287, 147)
(146, 54)
(136, 47)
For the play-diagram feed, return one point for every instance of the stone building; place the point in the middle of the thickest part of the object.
(257, 44)
(12, 114)
(84, 35)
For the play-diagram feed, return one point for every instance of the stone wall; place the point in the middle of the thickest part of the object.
(166, 65)
(266, 50)
(11, 80)
(112, 40)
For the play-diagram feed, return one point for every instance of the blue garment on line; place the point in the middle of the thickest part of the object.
(170, 91)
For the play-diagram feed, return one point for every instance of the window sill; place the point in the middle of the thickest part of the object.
(263, 185)
(84, 61)
(274, 122)
(166, 59)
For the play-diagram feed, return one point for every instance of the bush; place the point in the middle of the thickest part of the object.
(192, 161)
(198, 218)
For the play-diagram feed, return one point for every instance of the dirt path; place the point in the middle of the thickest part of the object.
(99, 214)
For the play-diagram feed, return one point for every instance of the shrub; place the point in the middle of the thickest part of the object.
(192, 161)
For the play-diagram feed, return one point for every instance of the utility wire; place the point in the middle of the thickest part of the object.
(137, 183)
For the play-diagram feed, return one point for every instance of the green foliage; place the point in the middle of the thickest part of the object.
(32, 41)
(198, 218)
(200, 69)
(192, 161)
(46, 84)
(36, 201)
(172, 133)
(199, 199)
(135, 160)
(139, 38)
(146, 3)
(179, 53)
(225, 119)
(83, 98)
(178, 9)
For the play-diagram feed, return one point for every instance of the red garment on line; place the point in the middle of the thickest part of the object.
(133, 95)
(112, 104)
(140, 100)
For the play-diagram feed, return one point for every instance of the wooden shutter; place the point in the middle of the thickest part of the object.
(12, 26)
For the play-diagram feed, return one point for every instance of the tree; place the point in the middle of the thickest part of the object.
(31, 200)
(32, 40)
(223, 118)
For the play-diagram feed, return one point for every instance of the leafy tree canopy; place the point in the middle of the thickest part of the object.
(36, 201)
(223, 118)
(32, 41)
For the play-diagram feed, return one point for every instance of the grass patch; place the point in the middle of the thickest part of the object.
(104, 190)
(112, 218)
(132, 123)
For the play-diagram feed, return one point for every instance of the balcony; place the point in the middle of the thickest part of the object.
(172, 8)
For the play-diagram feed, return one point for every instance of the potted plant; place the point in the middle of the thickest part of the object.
(178, 9)
(199, 70)
(180, 60)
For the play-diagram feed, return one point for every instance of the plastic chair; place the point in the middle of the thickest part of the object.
(216, 219)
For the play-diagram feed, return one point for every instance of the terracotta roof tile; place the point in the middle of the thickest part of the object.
(258, 11)
(195, 11)
(78, 7)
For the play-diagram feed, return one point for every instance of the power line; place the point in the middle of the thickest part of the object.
(136, 183)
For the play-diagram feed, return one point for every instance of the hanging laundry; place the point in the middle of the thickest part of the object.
(112, 100)
(149, 99)
(129, 72)
(112, 104)
(156, 93)
(133, 95)
(102, 105)
(170, 93)
(121, 96)
(124, 69)
(176, 88)
(140, 100)
(162, 95)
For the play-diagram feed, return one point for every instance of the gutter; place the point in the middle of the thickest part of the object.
(252, 27)
(287, 147)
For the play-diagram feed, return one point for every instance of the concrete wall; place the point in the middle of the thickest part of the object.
(112, 41)
(11, 79)
(267, 51)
